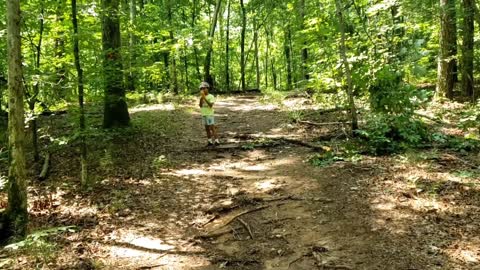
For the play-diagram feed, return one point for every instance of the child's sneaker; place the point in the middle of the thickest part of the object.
(217, 142)
(210, 142)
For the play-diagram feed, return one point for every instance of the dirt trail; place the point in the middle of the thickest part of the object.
(307, 217)
(173, 203)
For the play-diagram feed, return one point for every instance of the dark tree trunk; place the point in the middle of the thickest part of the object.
(447, 64)
(16, 215)
(76, 53)
(174, 83)
(467, 48)
(208, 59)
(306, 75)
(257, 62)
(115, 110)
(227, 49)
(59, 49)
(288, 57)
(242, 46)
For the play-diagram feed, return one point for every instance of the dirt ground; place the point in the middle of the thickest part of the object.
(163, 200)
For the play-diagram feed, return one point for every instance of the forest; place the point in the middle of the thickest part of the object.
(349, 134)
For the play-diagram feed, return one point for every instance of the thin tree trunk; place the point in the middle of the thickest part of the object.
(267, 56)
(116, 110)
(195, 50)
(306, 76)
(16, 214)
(467, 48)
(448, 49)
(346, 65)
(257, 63)
(132, 76)
(288, 57)
(207, 76)
(174, 84)
(242, 46)
(227, 49)
(76, 53)
(36, 88)
(59, 49)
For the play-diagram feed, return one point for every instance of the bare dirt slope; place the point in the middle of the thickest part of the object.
(165, 201)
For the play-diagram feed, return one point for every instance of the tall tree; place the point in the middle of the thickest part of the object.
(242, 45)
(288, 55)
(115, 105)
(447, 64)
(346, 65)
(467, 48)
(227, 48)
(306, 76)
(76, 54)
(173, 66)
(208, 59)
(16, 215)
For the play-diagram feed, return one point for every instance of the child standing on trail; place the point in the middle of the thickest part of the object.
(206, 106)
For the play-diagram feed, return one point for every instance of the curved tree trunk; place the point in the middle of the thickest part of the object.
(208, 59)
(115, 110)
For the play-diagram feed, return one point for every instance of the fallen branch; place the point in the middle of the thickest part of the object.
(322, 124)
(247, 227)
(44, 172)
(242, 214)
(150, 267)
(433, 119)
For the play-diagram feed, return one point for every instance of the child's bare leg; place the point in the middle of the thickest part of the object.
(209, 133)
(215, 132)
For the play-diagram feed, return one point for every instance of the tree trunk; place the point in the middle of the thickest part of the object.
(174, 84)
(346, 65)
(288, 57)
(195, 49)
(132, 42)
(76, 53)
(207, 76)
(227, 48)
(467, 48)
(306, 76)
(59, 49)
(257, 63)
(447, 63)
(115, 110)
(242, 46)
(36, 88)
(16, 215)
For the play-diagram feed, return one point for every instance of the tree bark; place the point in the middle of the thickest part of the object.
(242, 45)
(59, 49)
(288, 57)
(208, 59)
(467, 48)
(447, 63)
(346, 65)
(174, 84)
(115, 105)
(257, 62)
(76, 53)
(16, 215)
(227, 49)
(306, 75)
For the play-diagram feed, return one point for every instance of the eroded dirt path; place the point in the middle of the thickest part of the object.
(168, 202)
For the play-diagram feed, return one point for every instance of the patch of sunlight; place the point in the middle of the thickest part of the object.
(267, 185)
(467, 254)
(156, 107)
(255, 168)
(186, 172)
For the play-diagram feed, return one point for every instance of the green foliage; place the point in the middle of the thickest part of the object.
(38, 244)
(389, 133)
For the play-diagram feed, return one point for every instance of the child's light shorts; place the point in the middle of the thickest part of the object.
(208, 120)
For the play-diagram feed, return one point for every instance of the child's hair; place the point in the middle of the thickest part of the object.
(204, 85)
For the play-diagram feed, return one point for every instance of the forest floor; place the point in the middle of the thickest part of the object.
(163, 200)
